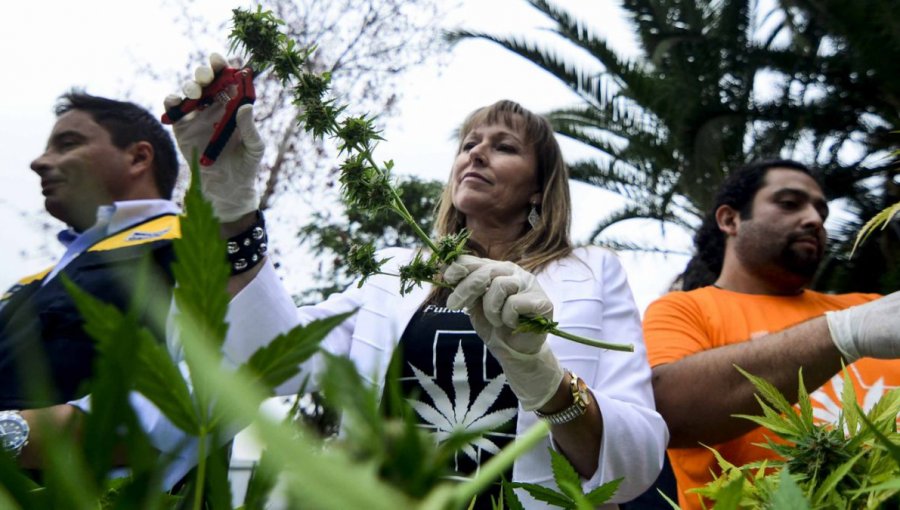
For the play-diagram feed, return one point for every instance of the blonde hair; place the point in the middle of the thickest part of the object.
(549, 239)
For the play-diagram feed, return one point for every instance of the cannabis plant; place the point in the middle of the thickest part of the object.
(853, 463)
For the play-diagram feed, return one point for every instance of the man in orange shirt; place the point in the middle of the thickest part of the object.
(757, 250)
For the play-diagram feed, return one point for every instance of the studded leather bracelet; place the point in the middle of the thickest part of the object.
(248, 248)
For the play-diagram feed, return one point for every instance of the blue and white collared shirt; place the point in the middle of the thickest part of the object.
(110, 219)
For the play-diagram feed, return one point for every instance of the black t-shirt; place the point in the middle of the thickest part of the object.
(454, 383)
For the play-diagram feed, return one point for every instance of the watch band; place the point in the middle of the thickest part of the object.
(581, 396)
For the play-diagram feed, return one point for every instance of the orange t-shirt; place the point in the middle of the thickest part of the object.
(683, 323)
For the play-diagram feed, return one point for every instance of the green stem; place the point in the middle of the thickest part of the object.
(401, 209)
(591, 342)
(436, 283)
(398, 206)
(498, 464)
(200, 485)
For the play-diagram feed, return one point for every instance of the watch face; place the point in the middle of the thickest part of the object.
(13, 433)
(584, 393)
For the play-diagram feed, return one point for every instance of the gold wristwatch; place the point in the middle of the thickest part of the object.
(582, 397)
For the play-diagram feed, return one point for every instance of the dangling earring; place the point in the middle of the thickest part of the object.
(533, 217)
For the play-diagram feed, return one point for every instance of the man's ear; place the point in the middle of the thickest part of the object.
(141, 154)
(728, 219)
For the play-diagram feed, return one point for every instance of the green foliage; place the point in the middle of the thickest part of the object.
(853, 463)
(161, 382)
(280, 359)
(113, 378)
(348, 244)
(882, 219)
(788, 496)
(570, 494)
(259, 33)
(386, 435)
(362, 261)
(262, 482)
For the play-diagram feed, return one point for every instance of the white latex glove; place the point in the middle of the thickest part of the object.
(868, 330)
(229, 183)
(496, 294)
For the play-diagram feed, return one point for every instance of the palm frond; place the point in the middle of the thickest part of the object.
(628, 212)
(583, 83)
(626, 245)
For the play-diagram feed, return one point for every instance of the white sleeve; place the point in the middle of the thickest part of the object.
(264, 310)
(261, 311)
(634, 434)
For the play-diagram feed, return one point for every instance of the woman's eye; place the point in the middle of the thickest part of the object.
(506, 148)
(468, 146)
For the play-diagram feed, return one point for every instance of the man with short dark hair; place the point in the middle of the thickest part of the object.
(747, 305)
(108, 172)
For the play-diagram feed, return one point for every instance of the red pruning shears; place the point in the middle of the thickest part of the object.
(233, 88)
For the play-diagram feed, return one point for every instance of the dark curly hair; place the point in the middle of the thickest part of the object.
(128, 123)
(737, 192)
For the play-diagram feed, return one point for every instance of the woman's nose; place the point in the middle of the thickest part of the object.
(476, 155)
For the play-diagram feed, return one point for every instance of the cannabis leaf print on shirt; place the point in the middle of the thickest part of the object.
(459, 411)
(455, 385)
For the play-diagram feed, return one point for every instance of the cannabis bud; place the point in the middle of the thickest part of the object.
(258, 33)
(361, 260)
(417, 271)
(357, 133)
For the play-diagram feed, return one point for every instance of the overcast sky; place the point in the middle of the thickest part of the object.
(50, 46)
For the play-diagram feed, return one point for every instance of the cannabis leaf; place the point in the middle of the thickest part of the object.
(570, 495)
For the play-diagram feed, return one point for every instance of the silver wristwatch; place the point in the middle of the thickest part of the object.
(582, 397)
(13, 432)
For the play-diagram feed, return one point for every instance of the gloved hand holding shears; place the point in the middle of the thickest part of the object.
(218, 103)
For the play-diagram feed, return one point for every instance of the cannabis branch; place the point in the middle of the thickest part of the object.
(364, 183)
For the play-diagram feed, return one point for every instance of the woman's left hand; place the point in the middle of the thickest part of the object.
(505, 292)
(496, 294)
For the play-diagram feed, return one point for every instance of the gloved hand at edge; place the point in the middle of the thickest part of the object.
(868, 330)
(496, 294)
(229, 183)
